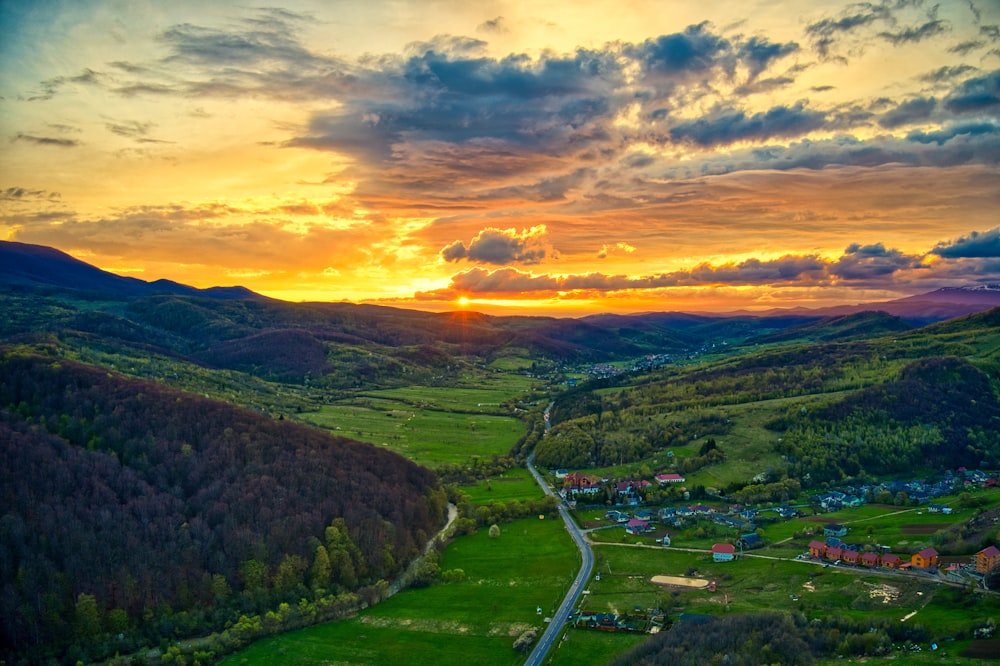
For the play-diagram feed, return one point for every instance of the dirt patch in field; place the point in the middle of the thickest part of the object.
(678, 581)
(417, 624)
(982, 650)
(591, 524)
(923, 529)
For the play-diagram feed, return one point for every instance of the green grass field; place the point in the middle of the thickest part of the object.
(514, 484)
(474, 621)
(425, 435)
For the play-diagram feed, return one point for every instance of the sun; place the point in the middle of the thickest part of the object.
(463, 301)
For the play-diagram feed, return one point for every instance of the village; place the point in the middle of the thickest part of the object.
(830, 544)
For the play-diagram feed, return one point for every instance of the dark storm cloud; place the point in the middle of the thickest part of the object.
(723, 126)
(977, 245)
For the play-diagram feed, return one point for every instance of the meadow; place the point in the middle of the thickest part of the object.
(426, 435)
(472, 620)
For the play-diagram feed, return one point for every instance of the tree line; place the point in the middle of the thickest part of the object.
(134, 513)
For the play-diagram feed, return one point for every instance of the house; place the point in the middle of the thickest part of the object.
(617, 516)
(925, 559)
(869, 560)
(665, 540)
(664, 479)
(833, 529)
(750, 541)
(850, 556)
(891, 561)
(561, 473)
(644, 514)
(987, 559)
(636, 526)
(817, 548)
(723, 552)
(939, 508)
(834, 553)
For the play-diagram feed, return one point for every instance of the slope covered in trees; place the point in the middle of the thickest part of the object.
(819, 412)
(131, 508)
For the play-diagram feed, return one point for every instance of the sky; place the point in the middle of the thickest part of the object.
(544, 157)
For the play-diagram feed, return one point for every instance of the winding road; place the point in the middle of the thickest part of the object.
(552, 632)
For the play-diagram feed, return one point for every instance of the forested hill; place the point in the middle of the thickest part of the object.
(816, 412)
(132, 508)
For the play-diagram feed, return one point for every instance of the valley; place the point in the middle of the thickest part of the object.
(256, 478)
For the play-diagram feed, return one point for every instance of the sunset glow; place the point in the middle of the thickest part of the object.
(511, 157)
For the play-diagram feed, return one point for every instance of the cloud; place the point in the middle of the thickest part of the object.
(694, 50)
(867, 262)
(46, 140)
(826, 32)
(616, 248)
(497, 26)
(976, 245)
(916, 33)
(908, 112)
(966, 47)
(945, 74)
(23, 194)
(758, 53)
(501, 246)
(724, 126)
(872, 265)
(977, 94)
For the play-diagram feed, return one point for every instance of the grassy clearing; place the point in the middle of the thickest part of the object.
(427, 436)
(514, 484)
(472, 621)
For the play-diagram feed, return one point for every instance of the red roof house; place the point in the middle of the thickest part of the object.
(723, 552)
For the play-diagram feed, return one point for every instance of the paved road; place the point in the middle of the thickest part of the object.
(552, 632)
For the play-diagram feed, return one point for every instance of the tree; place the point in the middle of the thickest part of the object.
(494, 531)
(87, 616)
(319, 574)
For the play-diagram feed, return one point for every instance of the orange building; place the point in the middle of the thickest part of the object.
(987, 559)
(925, 559)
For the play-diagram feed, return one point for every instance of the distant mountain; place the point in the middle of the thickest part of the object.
(839, 328)
(919, 310)
(27, 265)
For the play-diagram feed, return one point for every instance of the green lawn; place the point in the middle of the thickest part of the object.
(474, 621)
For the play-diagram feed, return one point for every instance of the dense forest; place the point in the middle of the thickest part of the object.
(131, 509)
(939, 412)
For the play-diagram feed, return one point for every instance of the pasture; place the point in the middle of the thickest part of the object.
(474, 620)
(426, 434)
